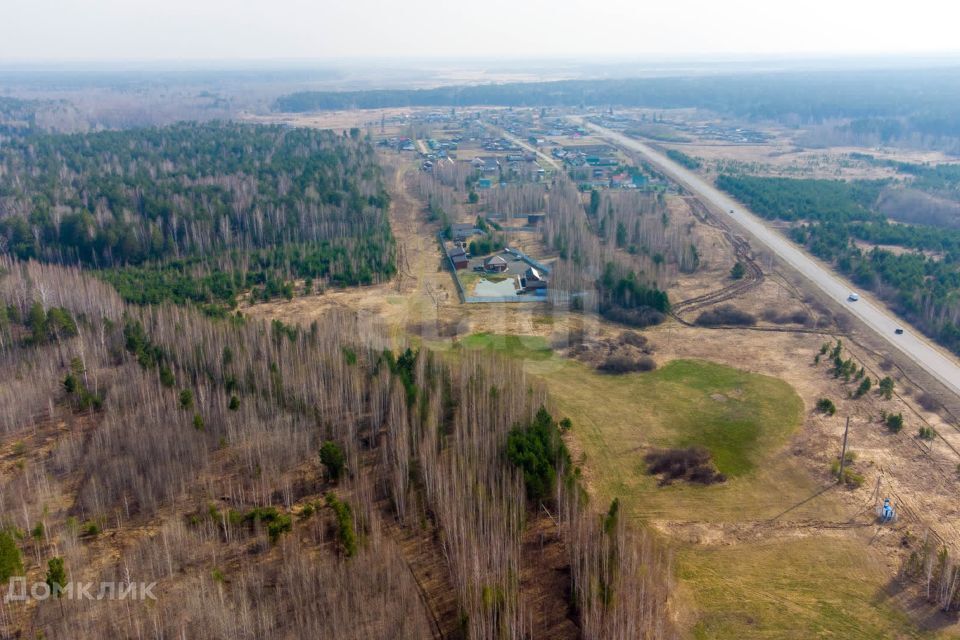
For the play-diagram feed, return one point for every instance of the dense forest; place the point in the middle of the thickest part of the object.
(920, 279)
(17, 116)
(902, 101)
(283, 482)
(199, 211)
(812, 200)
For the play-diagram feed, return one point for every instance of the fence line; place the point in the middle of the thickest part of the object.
(530, 261)
(453, 268)
(465, 299)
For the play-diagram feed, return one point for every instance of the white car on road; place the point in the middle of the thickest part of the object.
(853, 297)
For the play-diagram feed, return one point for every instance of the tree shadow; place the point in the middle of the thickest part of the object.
(908, 596)
(816, 494)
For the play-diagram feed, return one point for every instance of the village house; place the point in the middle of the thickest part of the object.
(458, 258)
(533, 280)
(460, 231)
(486, 164)
(495, 264)
(535, 219)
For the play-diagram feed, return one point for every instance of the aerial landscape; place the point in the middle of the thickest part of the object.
(532, 320)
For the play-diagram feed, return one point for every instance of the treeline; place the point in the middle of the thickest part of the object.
(243, 203)
(936, 178)
(923, 127)
(920, 283)
(924, 98)
(278, 472)
(680, 157)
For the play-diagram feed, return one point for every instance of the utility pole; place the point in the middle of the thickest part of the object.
(843, 451)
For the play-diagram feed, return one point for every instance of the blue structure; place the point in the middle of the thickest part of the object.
(886, 512)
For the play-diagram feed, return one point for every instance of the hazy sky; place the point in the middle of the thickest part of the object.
(263, 29)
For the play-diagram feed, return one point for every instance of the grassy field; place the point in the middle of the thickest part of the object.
(525, 347)
(743, 419)
(795, 579)
(802, 588)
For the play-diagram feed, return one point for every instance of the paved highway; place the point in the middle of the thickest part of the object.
(523, 145)
(931, 358)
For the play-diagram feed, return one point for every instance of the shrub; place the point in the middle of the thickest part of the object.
(693, 464)
(738, 271)
(234, 403)
(186, 399)
(333, 458)
(638, 317)
(886, 387)
(726, 314)
(280, 525)
(844, 368)
(894, 422)
(825, 405)
(619, 363)
(850, 477)
(864, 387)
(790, 317)
(927, 433)
(166, 376)
(276, 522)
(83, 398)
(70, 383)
(487, 245)
(928, 401)
(260, 514)
(634, 339)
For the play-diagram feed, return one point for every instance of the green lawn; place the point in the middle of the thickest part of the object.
(744, 420)
(525, 347)
(738, 416)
